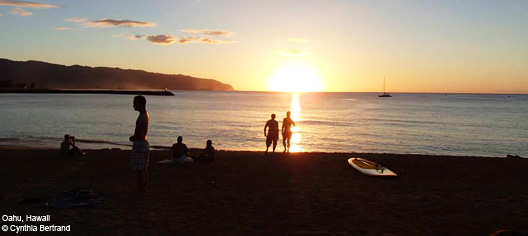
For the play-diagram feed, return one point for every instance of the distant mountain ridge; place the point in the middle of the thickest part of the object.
(54, 76)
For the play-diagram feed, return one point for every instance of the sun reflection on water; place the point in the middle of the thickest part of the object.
(295, 109)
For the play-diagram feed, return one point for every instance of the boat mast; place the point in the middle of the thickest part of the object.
(384, 85)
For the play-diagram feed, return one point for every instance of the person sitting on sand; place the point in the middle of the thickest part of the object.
(69, 141)
(273, 133)
(209, 153)
(180, 152)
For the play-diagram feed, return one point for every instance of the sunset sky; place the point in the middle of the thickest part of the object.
(332, 45)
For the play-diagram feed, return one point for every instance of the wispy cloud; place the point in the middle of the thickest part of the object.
(135, 37)
(298, 40)
(208, 32)
(215, 41)
(105, 23)
(16, 3)
(169, 39)
(161, 39)
(77, 20)
(131, 37)
(62, 29)
(20, 12)
(187, 40)
(293, 52)
(121, 35)
(114, 23)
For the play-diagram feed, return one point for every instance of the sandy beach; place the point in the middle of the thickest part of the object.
(248, 193)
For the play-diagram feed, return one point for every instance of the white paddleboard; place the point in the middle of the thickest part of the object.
(370, 168)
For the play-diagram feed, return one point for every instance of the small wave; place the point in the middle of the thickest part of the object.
(30, 139)
(322, 122)
(92, 141)
(160, 147)
(9, 139)
(377, 120)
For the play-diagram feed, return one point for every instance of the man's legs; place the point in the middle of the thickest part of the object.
(284, 137)
(142, 178)
(288, 142)
(139, 174)
(145, 180)
(78, 151)
(268, 143)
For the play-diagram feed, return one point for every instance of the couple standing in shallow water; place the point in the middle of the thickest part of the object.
(272, 136)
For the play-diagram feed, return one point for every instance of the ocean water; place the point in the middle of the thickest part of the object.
(439, 124)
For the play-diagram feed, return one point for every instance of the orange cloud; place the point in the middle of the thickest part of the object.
(20, 12)
(77, 20)
(208, 32)
(215, 41)
(105, 23)
(161, 39)
(135, 37)
(62, 29)
(169, 39)
(114, 23)
(16, 3)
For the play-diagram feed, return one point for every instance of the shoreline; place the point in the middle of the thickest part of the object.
(155, 148)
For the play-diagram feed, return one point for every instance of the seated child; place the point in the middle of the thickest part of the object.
(209, 153)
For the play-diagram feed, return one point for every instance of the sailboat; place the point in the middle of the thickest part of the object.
(384, 95)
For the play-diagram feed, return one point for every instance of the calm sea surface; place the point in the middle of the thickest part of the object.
(452, 124)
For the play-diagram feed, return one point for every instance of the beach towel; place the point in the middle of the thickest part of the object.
(182, 159)
(76, 198)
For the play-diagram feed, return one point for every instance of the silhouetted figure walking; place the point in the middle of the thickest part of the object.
(273, 133)
(286, 131)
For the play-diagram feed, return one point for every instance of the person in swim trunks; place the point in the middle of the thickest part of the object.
(286, 131)
(273, 133)
(139, 159)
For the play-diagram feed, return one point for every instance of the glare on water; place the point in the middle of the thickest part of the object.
(295, 110)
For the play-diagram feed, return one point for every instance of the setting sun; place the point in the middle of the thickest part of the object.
(295, 77)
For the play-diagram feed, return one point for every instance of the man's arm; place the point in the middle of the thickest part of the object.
(265, 127)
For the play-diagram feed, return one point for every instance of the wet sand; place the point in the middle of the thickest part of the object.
(247, 193)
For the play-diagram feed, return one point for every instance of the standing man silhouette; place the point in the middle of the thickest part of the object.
(286, 131)
(139, 159)
(273, 133)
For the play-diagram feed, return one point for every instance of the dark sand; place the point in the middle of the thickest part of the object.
(247, 193)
